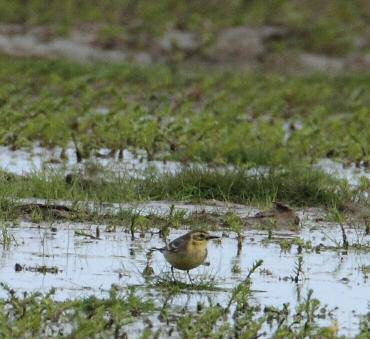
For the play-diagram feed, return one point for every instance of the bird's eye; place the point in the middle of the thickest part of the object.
(199, 236)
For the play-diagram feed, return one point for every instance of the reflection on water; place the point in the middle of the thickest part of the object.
(38, 158)
(90, 266)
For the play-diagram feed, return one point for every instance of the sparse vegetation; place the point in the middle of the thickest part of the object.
(35, 315)
(39, 315)
(232, 118)
(331, 27)
(6, 239)
(251, 137)
(297, 185)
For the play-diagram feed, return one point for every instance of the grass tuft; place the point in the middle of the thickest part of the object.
(297, 185)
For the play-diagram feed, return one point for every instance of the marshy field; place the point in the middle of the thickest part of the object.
(124, 125)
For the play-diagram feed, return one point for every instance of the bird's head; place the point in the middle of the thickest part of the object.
(202, 236)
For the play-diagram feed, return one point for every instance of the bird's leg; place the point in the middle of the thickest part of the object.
(191, 281)
(173, 274)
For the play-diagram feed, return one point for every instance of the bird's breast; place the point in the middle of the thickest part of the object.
(186, 260)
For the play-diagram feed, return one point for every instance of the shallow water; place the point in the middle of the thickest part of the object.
(38, 158)
(351, 173)
(90, 266)
(23, 162)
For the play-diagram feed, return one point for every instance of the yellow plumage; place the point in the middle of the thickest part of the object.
(188, 251)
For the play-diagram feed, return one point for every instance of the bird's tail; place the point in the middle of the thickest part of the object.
(157, 249)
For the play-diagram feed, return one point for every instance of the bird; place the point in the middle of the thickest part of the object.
(282, 214)
(187, 252)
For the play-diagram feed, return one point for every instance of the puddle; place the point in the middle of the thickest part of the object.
(88, 266)
(23, 162)
(351, 173)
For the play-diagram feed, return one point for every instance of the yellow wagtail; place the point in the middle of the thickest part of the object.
(188, 251)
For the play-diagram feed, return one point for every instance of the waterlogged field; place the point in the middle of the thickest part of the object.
(69, 260)
(84, 267)
(99, 163)
(185, 115)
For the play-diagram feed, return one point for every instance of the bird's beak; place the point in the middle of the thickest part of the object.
(212, 237)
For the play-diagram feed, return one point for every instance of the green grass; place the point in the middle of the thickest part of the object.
(32, 314)
(300, 186)
(35, 315)
(331, 26)
(195, 116)
(189, 116)
(296, 185)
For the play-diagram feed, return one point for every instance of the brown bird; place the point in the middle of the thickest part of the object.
(283, 214)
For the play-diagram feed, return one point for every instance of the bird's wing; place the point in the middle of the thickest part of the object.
(176, 245)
